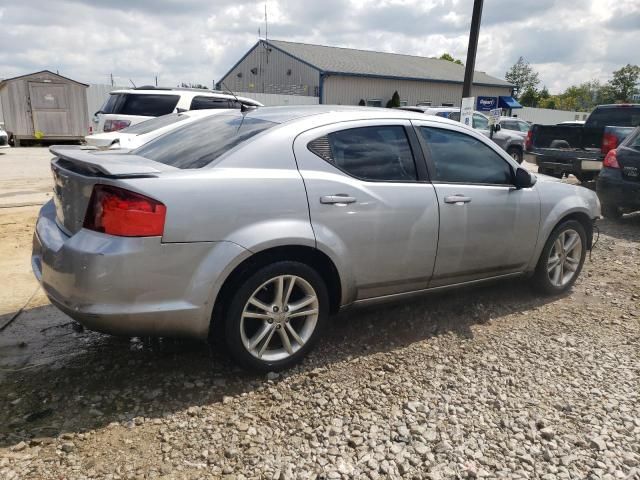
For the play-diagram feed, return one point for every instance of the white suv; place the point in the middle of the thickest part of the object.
(127, 107)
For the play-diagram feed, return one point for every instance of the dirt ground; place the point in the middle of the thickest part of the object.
(491, 382)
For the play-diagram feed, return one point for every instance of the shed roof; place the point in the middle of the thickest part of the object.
(5, 80)
(350, 61)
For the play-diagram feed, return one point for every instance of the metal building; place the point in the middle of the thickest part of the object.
(345, 76)
(44, 105)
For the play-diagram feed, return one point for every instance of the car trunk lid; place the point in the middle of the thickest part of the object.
(76, 170)
(629, 161)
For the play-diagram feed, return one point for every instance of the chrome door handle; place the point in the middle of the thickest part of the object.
(337, 199)
(457, 199)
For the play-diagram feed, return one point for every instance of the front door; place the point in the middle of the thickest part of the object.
(370, 205)
(487, 226)
(50, 108)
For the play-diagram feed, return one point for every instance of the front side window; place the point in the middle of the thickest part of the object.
(480, 122)
(200, 142)
(460, 158)
(509, 125)
(379, 153)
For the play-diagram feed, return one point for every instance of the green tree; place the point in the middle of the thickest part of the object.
(362, 103)
(624, 81)
(523, 76)
(449, 58)
(529, 98)
(544, 93)
(395, 100)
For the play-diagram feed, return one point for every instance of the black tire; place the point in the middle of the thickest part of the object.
(516, 154)
(248, 286)
(541, 280)
(586, 176)
(611, 212)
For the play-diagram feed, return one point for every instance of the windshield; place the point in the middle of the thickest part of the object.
(154, 124)
(201, 142)
(143, 104)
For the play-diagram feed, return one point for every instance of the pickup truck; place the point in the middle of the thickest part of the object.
(580, 149)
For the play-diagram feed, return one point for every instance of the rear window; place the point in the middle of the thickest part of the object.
(618, 116)
(199, 143)
(148, 105)
(154, 124)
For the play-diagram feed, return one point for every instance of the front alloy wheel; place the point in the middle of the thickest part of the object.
(562, 258)
(276, 315)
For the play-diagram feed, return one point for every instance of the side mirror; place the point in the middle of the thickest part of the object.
(524, 179)
(181, 110)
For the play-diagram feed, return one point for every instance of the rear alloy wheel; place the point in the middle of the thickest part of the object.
(562, 258)
(611, 212)
(515, 153)
(276, 316)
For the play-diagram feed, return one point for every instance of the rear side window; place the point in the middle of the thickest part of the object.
(154, 124)
(619, 117)
(205, 103)
(510, 125)
(380, 153)
(200, 142)
(148, 105)
(460, 158)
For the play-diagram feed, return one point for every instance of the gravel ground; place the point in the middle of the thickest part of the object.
(491, 382)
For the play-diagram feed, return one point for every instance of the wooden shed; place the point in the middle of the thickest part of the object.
(44, 105)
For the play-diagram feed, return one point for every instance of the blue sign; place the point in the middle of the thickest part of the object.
(485, 104)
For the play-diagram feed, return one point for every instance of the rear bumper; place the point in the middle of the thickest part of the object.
(614, 190)
(559, 166)
(130, 286)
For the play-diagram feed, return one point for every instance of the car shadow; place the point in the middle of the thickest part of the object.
(73, 380)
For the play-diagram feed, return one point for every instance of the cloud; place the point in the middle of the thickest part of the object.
(199, 40)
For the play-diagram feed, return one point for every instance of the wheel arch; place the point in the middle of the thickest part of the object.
(310, 256)
(584, 220)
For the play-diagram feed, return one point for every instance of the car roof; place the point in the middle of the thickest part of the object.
(286, 114)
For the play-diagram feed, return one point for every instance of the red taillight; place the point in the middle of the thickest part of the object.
(115, 125)
(609, 142)
(611, 160)
(117, 211)
(529, 141)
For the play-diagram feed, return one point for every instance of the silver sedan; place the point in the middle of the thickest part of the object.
(252, 227)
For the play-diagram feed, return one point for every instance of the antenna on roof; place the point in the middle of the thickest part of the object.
(266, 34)
(134, 85)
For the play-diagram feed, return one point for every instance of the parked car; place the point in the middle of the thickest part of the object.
(618, 184)
(252, 227)
(140, 133)
(127, 107)
(514, 124)
(579, 150)
(4, 138)
(511, 142)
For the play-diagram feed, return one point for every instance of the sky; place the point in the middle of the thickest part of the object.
(198, 41)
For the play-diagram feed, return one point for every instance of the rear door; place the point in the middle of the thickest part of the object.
(487, 226)
(50, 108)
(370, 203)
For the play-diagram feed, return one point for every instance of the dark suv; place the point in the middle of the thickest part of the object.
(619, 181)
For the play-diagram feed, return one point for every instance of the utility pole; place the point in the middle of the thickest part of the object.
(473, 47)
